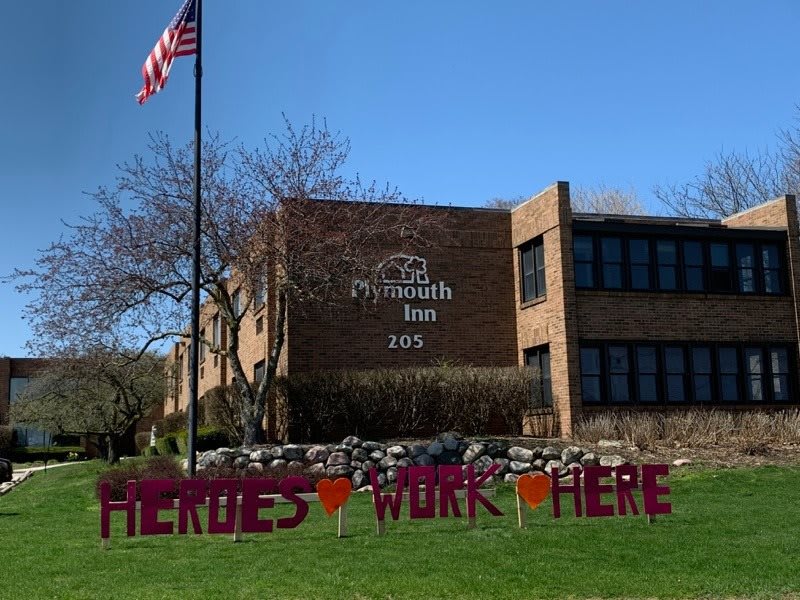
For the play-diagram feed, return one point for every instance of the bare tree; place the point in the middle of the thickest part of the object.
(506, 203)
(606, 200)
(284, 213)
(730, 183)
(94, 394)
(600, 199)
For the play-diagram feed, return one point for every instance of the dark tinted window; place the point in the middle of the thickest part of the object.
(667, 259)
(693, 265)
(583, 250)
(647, 373)
(728, 374)
(640, 264)
(590, 375)
(611, 251)
(618, 373)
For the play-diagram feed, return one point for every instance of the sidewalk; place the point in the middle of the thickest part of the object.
(21, 475)
(42, 468)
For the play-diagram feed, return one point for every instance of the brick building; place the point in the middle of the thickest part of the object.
(617, 311)
(15, 373)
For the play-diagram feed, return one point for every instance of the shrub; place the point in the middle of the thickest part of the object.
(142, 440)
(750, 432)
(222, 408)
(150, 451)
(6, 440)
(182, 442)
(166, 445)
(406, 402)
(158, 467)
(208, 438)
(211, 438)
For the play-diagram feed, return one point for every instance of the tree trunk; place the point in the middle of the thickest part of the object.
(111, 449)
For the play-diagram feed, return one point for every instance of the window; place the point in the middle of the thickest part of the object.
(258, 371)
(611, 255)
(770, 263)
(754, 374)
(667, 259)
(590, 375)
(16, 387)
(259, 325)
(647, 374)
(675, 374)
(745, 267)
(728, 374)
(721, 277)
(202, 345)
(667, 264)
(532, 267)
(702, 374)
(640, 264)
(236, 303)
(216, 333)
(583, 250)
(779, 365)
(539, 358)
(618, 374)
(693, 266)
(260, 293)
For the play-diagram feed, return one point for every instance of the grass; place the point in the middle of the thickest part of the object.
(733, 533)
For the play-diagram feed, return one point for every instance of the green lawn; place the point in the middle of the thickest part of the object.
(733, 533)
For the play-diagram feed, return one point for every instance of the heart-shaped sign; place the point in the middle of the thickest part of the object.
(333, 494)
(533, 488)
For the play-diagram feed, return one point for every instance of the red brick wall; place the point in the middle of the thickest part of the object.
(549, 320)
(476, 327)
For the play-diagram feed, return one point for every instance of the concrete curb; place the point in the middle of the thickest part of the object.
(17, 478)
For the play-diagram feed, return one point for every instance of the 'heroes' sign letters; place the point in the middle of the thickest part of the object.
(430, 492)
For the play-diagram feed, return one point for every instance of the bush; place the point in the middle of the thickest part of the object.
(158, 467)
(407, 402)
(211, 438)
(221, 407)
(182, 442)
(172, 423)
(150, 451)
(6, 440)
(208, 438)
(54, 453)
(166, 445)
(142, 440)
(751, 431)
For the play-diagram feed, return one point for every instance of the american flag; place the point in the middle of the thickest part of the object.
(178, 39)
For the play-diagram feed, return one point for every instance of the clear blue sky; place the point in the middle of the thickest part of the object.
(453, 101)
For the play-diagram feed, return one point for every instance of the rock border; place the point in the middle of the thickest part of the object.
(353, 458)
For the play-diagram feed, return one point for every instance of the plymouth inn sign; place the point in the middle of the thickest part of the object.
(427, 492)
(404, 277)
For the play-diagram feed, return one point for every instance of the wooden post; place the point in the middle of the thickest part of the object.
(343, 521)
(472, 523)
(651, 519)
(381, 527)
(522, 512)
(105, 543)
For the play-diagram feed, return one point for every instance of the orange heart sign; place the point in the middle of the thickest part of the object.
(333, 494)
(533, 489)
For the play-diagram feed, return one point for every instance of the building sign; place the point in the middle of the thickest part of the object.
(428, 492)
(404, 277)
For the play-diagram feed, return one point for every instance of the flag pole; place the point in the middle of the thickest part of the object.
(195, 333)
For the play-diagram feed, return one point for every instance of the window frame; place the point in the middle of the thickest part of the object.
(652, 235)
(539, 290)
(789, 377)
(533, 357)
